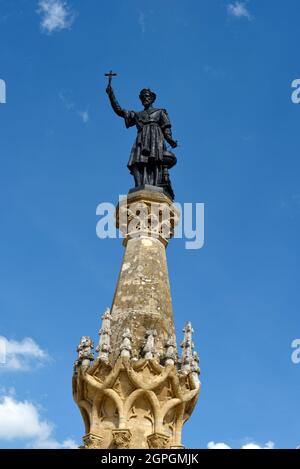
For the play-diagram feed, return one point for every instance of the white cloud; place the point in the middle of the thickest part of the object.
(216, 72)
(20, 356)
(66, 97)
(84, 116)
(268, 445)
(20, 420)
(54, 444)
(69, 103)
(239, 10)
(56, 15)
(213, 445)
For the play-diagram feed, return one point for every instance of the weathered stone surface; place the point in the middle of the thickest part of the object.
(122, 438)
(137, 394)
(147, 213)
(158, 441)
(135, 404)
(142, 299)
(92, 441)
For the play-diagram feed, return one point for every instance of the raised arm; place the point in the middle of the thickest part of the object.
(114, 103)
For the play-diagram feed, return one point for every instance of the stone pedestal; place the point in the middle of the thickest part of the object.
(137, 393)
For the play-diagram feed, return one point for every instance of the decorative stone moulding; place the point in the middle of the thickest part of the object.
(146, 213)
(134, 404)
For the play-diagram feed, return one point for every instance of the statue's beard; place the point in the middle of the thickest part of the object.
(147, 103)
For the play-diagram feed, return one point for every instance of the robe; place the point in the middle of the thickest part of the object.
(149, 146)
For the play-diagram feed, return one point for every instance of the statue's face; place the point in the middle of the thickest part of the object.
(147, 99)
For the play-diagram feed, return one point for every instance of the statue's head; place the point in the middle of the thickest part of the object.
(147, 97)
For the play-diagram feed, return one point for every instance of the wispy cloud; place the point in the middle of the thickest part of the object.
(70, 105)
(21, 355)
(56, 15)
(251, 445)
(21, 420)
(84, 116)
(216, 72)
(52, 443)
(290, 205)
(239, 10)
(142, 22)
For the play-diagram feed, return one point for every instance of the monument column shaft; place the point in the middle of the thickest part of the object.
(142, 298)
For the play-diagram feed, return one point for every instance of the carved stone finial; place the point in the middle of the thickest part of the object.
(103, 347)
(195, 363)
(170, 355)
(125, 347)
(85, 354)
(149, 347)
(187, 348)
(195, 369)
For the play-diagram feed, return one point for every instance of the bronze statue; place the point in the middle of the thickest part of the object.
(150, 160)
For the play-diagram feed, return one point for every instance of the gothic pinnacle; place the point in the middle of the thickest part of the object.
(187, 348)
(85, 354)
(125, 347)
(103, 347)
(170, 355)
(149, 347)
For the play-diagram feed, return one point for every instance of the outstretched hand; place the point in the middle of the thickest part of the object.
(109, 89)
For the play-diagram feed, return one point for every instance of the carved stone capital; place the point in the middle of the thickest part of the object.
(92, 441)
(158, 441)
(122, 438)
(147, 213)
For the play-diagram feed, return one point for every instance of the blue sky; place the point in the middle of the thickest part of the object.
(223, 69)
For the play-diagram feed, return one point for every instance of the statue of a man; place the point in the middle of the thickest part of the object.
(149, 160)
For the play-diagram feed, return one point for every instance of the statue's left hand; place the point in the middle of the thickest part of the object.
(174, 143)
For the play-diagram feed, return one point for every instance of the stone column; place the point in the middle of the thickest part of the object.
(137, 393)
(142, 299)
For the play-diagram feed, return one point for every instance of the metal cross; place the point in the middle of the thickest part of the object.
(110, 75)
